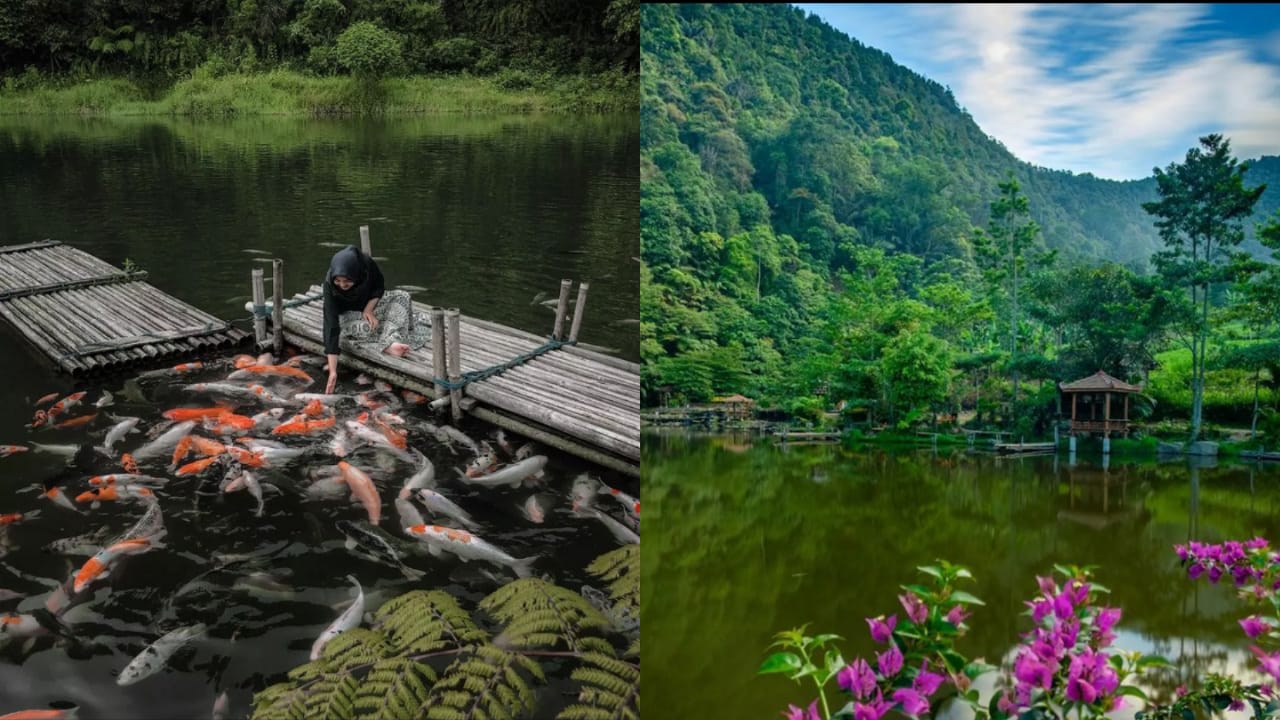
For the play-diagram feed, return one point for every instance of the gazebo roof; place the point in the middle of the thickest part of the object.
(1099, 382)
(735, 398)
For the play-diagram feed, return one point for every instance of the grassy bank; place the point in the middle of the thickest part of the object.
(283, 92)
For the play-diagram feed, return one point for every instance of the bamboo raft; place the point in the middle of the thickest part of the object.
(90, 317)
(1040, 447)
(579, 401)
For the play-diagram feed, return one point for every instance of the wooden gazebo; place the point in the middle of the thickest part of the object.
(737, 407)
(1095, 407)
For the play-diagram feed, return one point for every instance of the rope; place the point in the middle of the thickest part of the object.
(476, 375)
(260, 311)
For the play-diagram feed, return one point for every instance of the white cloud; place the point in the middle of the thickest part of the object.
(1114, 90)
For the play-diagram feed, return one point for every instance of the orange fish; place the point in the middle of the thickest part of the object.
(98, 565)
(181, 450)
(55, 494)
(40, 418)
(277, 370)
(188, 367)
(10, 518)
(413, 397)
(115, 492)
(67, 714)
(396, 436)
(66, 404)
(198, 466)
(363, 489)
(246, 457)
(183, 414)
(47, 399)
(315, 408)
(244, 361)
(76, 421)
(129, 464)
(229, 423)
(302, 426)
(7, 450)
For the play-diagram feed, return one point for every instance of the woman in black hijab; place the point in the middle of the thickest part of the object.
(353, 283)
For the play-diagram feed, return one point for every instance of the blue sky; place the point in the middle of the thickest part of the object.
(1112, 90)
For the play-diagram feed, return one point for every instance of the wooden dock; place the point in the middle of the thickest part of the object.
(545, 388)
(1019, 447)
(89, 317)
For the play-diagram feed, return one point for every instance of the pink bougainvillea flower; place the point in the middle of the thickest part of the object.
(917, 611)
(871, 710)
(858, 679)
(1268, 663)
(889, 662)
(911, 702)
(881, 628)
(1080, 690)
(1047, 585)
(1254, 626)
(794, 713)
(927, 683)
(957, 615)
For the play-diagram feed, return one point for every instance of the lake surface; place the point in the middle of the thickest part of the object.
(485, 213)
(747, 539)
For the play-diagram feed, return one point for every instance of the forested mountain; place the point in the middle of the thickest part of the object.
(784, 163)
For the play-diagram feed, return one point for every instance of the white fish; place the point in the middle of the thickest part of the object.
(153, 658)
(267, 419)
(412, 288)
(442, 505)
(456, 434)
(511, 475)
(483, 463)
(409, 515)
(164, 444)
(349, 619)
(373, 437)
(251, 392)
(14, 625)
(503, 442)
(105, 400)
(584, 491)
(324, 399)
(342, 443)
(221, 707)
(423, 478)
(534, 509)
(363, 379)
(63, 450)
(264, 586)
(630, 504)
(117, 433)
(255, 490)
(255, 252)
(468, 547)
(620, 531)
(526, 450)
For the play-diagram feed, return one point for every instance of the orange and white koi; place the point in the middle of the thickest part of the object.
(198, 466)
(229, 424)
(181, 414)
(76, 421)
(441, 505)
(47, 399)
(467, 547)
(20, 625)
(511, 475)
(65, 404)
(244, 361)
(630, 504)
(49, 714)
(98, 567)
(248, 458)
(116, 492)
(126, 479)
(129, 464)
(188, 367)
(301, 426)
(412, 397)
(7, 450)
(58, 496)
(284, 371)
(11, 518)
(314, 409)
(166, 442)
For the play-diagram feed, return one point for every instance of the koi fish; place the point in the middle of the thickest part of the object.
(441, 505)
(484, 462)
(630, 504)
(7, 450)
(65, 404)
(50, 714)
(129, 464)
(106, 400)
(468, 547)
(76, 421)
(17, 625)
(126, 479)
(47, 399)
(116, 492)
(314, 409)
(424, 477)
(181, 414)
(284, 371)
(229, 424)
(455, 434)
(511, 475)
(372, 542)
(534, 510)
(41, 417)
(302, 426)
(98, 567)
(198, 466)
(349, 619)
(362, 489)
(154, 656)
(248, 458)
(620, 531)
(187, 367)
(58, 496)
(413, 398)
(244, 361)
(11, 518)
(166, 442)
(252, 392)
(117, 433)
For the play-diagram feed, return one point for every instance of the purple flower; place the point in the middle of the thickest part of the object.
(1006, 704)
(882, 630)
(871, 711)
(927, 683)
(1047, 586)
(1063, 607)
(911, 701)
(858, 679)
(1254, 626)
(889, 662)
(1040, 609)
(794, 713)
(1029, 670)
(917, 611)
(1195, 570)
(1267, 662)
(957, 615)
(1215, 574)
(1079, 690)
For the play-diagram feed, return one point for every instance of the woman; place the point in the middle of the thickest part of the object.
(359, 312)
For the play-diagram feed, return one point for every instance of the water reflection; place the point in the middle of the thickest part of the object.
(751, 540)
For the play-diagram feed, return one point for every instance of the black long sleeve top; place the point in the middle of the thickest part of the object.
(362, 270)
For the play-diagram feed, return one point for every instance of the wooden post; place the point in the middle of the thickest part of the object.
(277, 305)
(561, 306)
(577, 311)
(455, 360)
(365, 246)
(438, 351)
(259, 303)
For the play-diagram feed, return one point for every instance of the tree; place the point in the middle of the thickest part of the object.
(1203, 205)
(368, 50)
(1004, 250)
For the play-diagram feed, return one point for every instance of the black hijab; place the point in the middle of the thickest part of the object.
(348, 263)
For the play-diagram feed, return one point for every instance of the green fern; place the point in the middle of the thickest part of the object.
(610, 690)
(487, 684)
(395, 689)
(426, 621)
(539, 614)
(621, 569)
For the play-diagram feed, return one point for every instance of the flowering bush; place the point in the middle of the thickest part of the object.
(1063, 666)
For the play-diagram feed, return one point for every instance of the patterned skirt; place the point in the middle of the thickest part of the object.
(397, 322)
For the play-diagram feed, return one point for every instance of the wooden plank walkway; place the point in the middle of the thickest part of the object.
(589, 402)
(89, 317)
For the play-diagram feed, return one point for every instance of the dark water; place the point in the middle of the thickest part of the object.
(748, 539)
(485, 213)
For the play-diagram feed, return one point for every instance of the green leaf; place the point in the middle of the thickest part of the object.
(920, 590)
(779, 663)
(835, 663)
(1132, 691)
(1100, 588)
(994, 710)
(977, 667)
(963, 573)
(806, 670)
(1147, 661)
(936, 572)
(960, 596)
(823, 640)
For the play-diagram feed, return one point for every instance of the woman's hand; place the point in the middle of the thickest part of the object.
(369, 318)
(333, 382)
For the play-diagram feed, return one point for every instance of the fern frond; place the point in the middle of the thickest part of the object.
(621, 570)
(610, 690)
(539, 614)
(278, 702)
(357, 646)
(332, 698)
(487, 683)
(394, 689)
(634, 650)
(426, 621)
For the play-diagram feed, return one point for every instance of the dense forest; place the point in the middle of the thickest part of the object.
(161, 41)
(824, 229)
